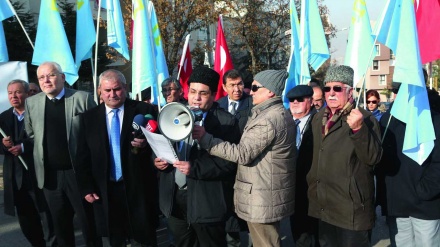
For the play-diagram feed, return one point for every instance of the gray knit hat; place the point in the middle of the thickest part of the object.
(274, 80)
(340, 73)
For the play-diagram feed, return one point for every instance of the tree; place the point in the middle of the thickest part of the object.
(258, 30)
(177, 19)
(19, 48)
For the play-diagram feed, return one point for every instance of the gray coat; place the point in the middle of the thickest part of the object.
(264, 190)
(76, 102)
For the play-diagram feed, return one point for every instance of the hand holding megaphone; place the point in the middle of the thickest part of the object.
(198, 132)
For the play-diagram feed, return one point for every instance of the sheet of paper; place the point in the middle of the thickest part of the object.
(161, 146)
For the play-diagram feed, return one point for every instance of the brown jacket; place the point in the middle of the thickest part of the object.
(341, 186)
(264, 190)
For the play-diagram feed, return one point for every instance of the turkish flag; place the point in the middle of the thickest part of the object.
(223, 61)
(428, 25)
(185, 68)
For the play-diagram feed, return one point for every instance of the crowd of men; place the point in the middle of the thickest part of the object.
(247, 164)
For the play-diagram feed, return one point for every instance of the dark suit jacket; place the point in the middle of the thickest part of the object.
(243, 110)
(13, 166)
(93, 171)
(303, 164)
(76, 102)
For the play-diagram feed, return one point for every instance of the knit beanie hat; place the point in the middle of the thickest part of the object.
(274, 80)
(205, 76)
(340, 73)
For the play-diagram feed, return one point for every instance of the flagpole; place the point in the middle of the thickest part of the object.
(21, 24)
(371, 57)
(94, 71)
(182, 59)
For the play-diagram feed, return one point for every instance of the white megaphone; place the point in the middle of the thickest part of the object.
(176, 121)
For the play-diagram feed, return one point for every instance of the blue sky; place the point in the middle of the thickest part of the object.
(340, 16)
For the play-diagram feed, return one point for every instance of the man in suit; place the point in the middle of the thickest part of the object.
(304, 228)
(20, 187)
(236, 102)
(52, 122)
(239, 104)
(113, 168)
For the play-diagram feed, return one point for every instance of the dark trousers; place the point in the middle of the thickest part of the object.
(190, 235)
(333, 236)
(64, 200)
(304, 230)
(36, 227)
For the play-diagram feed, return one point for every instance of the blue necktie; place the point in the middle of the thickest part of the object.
(298, 133)
(115, 146)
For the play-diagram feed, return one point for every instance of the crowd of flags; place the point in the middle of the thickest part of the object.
(406, 27)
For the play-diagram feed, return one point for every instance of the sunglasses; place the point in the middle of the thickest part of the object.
(299, 99)
(337, 89)
(255, 88)
(372, 102)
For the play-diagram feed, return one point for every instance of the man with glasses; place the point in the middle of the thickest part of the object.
(266, 157)
(195, 192)
(346, 146)
(52, 121)
(236, 102)
(172, 91)
(304, 228)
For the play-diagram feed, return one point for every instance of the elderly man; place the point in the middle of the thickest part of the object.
(172, 91)
(236, 102)
(304, 227)
(52, 121)
(346, 146)
(265, 181)
(21, 192)
(196, 191)
(116, 180)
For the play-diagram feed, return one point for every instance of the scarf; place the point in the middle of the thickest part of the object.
(328, 120)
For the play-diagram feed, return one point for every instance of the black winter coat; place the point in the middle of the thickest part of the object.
(211, 179)
(405, 188)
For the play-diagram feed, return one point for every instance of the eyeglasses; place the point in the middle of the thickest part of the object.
(299, 99)
(239, 85)
(255, 88)
(372, 102)
(203, 94)
(166, 90)
(337, 89)
(51, 76)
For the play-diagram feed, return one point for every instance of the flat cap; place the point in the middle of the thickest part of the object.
(300, 91)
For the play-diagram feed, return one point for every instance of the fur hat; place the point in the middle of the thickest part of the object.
(340, 73)
(274, 80)
(205, 76)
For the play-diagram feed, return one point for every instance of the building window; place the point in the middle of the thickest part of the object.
(375, 65)
(382, 80)
(377, 49)
(391, 54)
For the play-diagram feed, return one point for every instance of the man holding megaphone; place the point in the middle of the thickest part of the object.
(113, 169)
(196, 190)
